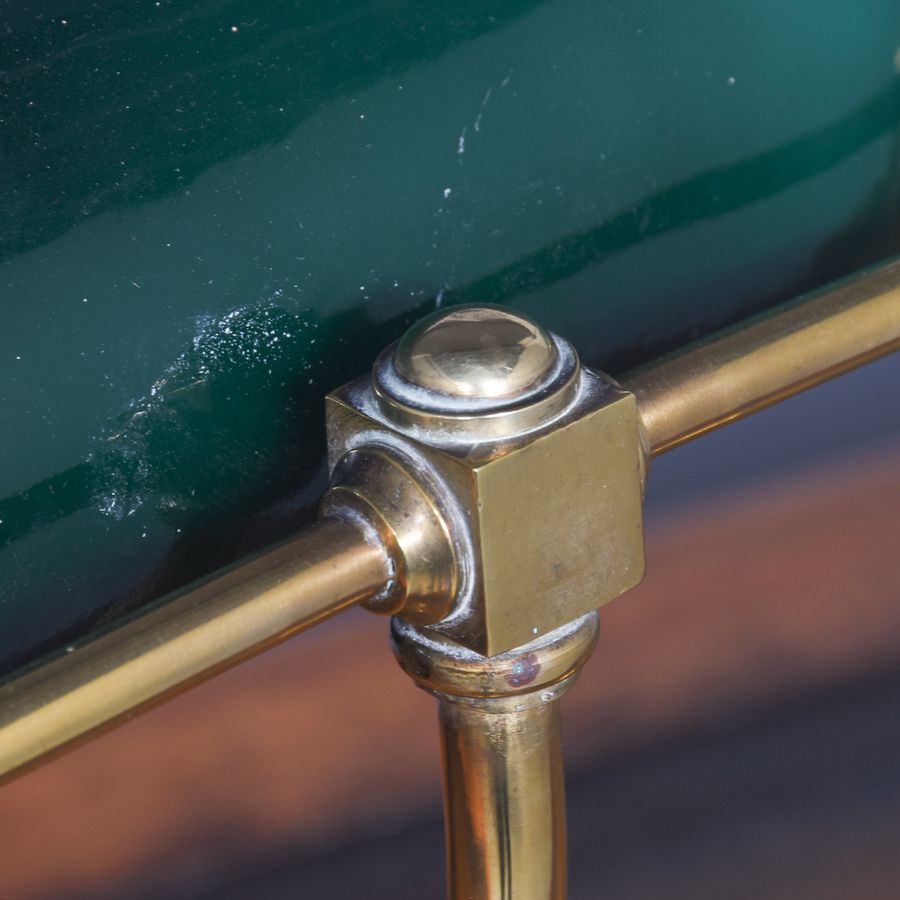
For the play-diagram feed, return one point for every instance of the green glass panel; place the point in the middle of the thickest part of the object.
(214, 212)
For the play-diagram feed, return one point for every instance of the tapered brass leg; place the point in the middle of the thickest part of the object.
(503, 777)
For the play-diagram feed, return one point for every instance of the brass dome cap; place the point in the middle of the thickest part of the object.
(477, 352)
(476, 373)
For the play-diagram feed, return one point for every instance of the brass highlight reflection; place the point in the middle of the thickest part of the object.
(488, 353)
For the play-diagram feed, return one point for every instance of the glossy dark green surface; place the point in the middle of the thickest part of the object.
(214, 212)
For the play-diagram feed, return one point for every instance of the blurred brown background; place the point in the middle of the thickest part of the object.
(737, 733)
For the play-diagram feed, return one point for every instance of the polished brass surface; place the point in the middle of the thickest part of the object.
(475, 373)
(373, 485)
(769, 359)
(417, 413)
(520, 506)
(482, 352)
(198, 633)
(503, 777)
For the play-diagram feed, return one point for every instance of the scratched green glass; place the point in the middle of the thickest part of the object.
(214, 212)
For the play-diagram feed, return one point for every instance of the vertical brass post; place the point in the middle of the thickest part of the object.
(503, 777)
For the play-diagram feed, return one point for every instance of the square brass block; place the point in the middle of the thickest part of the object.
(553, 514)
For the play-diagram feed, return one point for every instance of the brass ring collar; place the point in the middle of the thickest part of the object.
(442, 666)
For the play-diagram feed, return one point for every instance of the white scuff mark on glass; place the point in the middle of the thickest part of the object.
(487, 96)
(439, 299)
(109, 505)
(133, 475)
(505, 81)
(461, 144)
(234, 29)
(447, 192)
(478, 122)
(731, 79)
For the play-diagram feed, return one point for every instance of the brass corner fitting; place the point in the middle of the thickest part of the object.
(505, 478)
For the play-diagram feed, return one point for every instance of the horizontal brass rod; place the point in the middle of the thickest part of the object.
(233, 615)
(199, 632)
(771, 358)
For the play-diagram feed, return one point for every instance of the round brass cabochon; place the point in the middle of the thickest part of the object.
(488, 353)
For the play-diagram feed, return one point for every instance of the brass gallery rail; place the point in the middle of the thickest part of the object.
(333, 565)
(769, 359)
